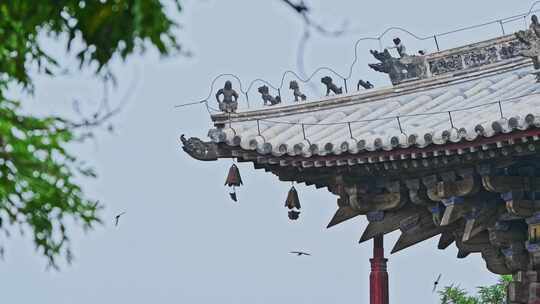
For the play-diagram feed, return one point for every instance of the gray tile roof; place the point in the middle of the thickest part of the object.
(356, 123)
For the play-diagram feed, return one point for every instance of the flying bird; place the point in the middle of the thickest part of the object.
(299, 253)
(117, 218)
(436, 283)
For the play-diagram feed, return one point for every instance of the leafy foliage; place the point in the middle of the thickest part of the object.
(38, 176)
(494, 294)
(456, 295)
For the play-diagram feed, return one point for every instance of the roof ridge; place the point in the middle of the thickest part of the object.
(376, 94)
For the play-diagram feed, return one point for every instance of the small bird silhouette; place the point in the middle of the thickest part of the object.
(117, 218)
(436, 283)
(233, 196)
(299, 253)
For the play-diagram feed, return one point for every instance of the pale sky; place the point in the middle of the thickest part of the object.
(182, 240)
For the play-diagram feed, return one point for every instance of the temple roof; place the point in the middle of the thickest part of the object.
(498, 99)
(451, 148)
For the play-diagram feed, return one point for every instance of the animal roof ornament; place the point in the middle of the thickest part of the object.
(330, 86)
(267, 98)
(531, 38)
(298, 95)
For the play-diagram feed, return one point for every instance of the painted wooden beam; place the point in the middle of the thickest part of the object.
(517, 204)
(503, 184)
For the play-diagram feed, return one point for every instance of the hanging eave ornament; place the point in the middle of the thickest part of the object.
(293, 215)
(233, 180)
(292, 199)
(292, 203)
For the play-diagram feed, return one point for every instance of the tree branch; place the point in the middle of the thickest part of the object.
(303, 10)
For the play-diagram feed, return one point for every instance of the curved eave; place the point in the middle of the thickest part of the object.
(517, 142)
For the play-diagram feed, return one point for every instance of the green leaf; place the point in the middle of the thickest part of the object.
(39, 177)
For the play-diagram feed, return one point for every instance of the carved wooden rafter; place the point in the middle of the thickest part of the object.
(390, 222)
(416, 230)
(456, 208)
(480, 219)
(446, 239)
(343, 214)
(460, 207)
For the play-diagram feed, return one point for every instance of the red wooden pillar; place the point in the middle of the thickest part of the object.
(378, 278)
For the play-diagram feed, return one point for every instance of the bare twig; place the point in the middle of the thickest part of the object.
(299, 8)
(104, 113)
(300, 58)
(303, 10)
(309, 24)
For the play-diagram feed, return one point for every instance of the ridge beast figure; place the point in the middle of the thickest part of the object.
(398, 45)
(229, 104)
(531, 39)
(330, 86)
(364, 84)
(293, 85)
(267, 98)
(399, 69)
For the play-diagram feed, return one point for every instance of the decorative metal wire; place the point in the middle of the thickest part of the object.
(378, 38)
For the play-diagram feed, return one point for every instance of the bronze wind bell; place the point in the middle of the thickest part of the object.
(292, 203)
(233, 180)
